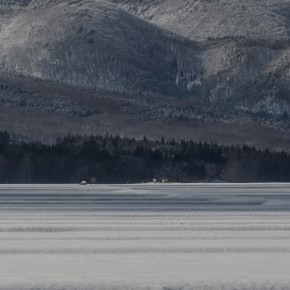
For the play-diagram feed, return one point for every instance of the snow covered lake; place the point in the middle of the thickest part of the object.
(147, 236)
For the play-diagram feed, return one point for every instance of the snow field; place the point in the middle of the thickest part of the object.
(145, 237)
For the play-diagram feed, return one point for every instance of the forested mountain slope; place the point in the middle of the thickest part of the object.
(204, 68)
(200, 19)
(94, 44)
(246, 60)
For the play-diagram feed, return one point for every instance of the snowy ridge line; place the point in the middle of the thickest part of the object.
(165, 218)
(137, 220)
(132, 199)
(129, 202)
(154, 203)
(166, 222)
(152, 222)
(82, 197)
(201, 285)
(143, 216)
(148, 195)
(145, 229)
(124, 205)
(109, 251)
(119, 217)
(149, 238)
(149, 209)
(165, 238)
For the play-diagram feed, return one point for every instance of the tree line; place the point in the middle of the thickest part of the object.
(112, 159)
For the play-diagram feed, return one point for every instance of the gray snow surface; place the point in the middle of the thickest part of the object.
(145, 236)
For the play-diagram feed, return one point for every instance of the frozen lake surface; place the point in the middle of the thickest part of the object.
(147, 236)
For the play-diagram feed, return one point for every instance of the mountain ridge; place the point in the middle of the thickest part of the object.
(85, 56)
(136, 68)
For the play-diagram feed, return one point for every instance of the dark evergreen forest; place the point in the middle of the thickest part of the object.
(111, 159)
